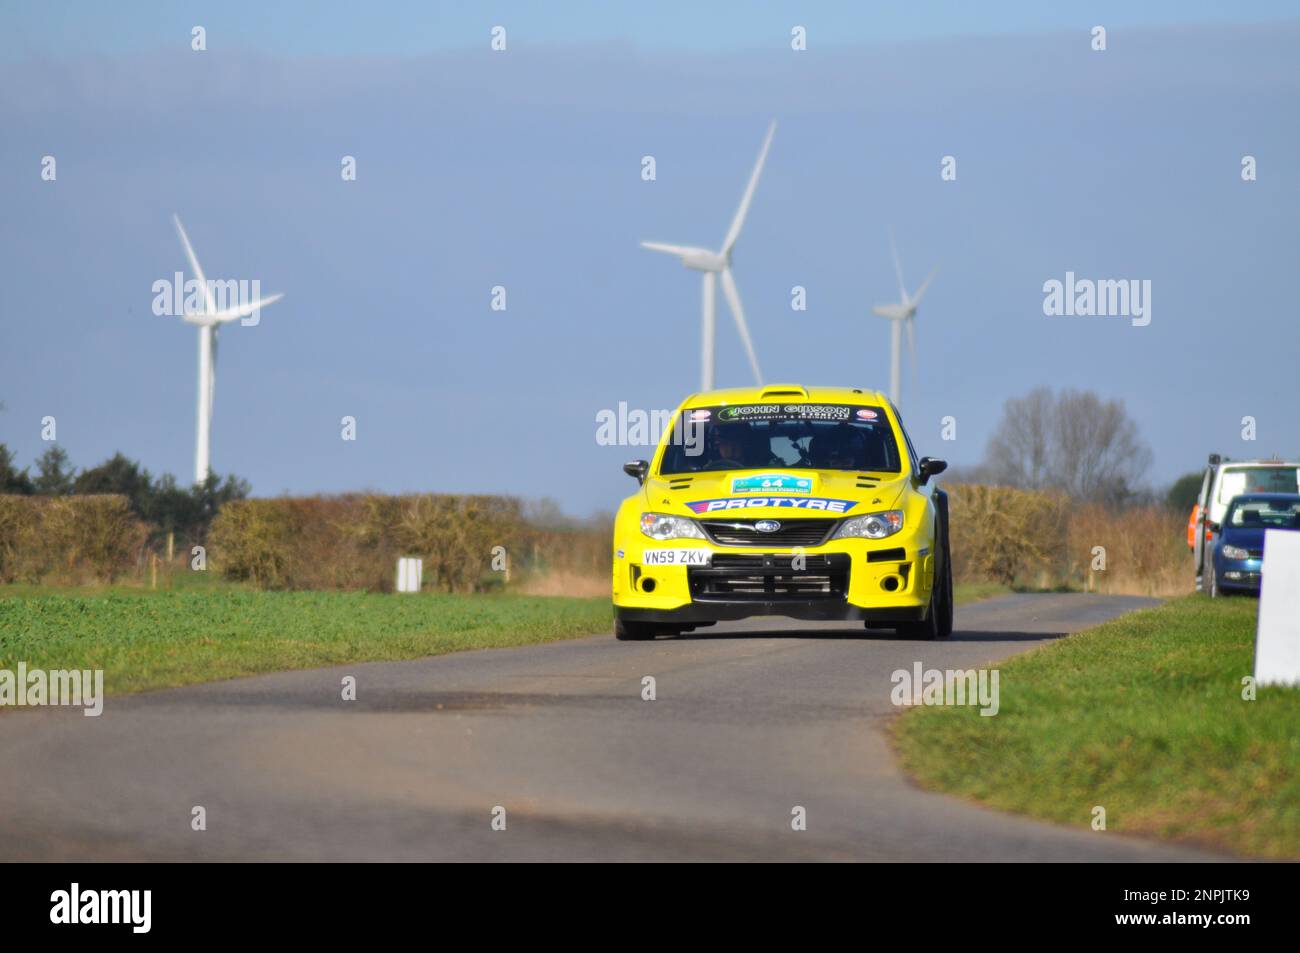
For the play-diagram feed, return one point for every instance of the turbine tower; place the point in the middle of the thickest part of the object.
(902, 313)
(716, 265)
(209, 320)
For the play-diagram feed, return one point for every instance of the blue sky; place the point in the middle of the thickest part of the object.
(523, 169)
(414, 27)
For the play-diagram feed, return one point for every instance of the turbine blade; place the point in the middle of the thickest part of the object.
(898, 267)
(708, 307)
(734, 232)
(244, 310)
(916, 298)
(679, 250)
(733, 302)
(212, 374)
(911, 348)
(194, 263)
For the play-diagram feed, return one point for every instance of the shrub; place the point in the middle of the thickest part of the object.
(68, 537)
(1042, 539)
(1002, 534)
(20, 549)
(254, 540)
(353, 542)
(1145, 549)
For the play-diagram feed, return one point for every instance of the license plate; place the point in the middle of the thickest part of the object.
(675, 557)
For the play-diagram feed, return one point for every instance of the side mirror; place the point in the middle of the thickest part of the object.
(931, 467)
(1212, 526)
(637, 468)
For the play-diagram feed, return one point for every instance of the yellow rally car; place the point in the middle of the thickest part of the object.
(802, 502)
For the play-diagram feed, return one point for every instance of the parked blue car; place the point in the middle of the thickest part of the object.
(1239, 549)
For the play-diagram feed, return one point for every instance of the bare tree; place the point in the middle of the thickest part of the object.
(1075, 442)
(1019, 452)
(1097, 453)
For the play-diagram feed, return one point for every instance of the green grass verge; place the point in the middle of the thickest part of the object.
(1143, 716)
(966, 592)
(146, 640)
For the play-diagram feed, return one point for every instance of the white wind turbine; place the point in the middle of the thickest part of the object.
(904, 312)
(208, 321)
(718, 263)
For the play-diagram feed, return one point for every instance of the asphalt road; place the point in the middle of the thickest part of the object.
(750, 720)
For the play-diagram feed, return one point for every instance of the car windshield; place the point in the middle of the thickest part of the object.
(788, 436)
(1266, 514)
(1237, 481)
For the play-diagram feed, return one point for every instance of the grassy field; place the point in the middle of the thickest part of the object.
(1143, 716)
(144, 640)
(203, 632)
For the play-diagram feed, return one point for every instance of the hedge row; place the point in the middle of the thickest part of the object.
(354, 541)
(1038, 538)
(69, 538)
(1018, 537)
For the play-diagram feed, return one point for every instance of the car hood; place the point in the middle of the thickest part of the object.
(1244, 538)
(792, 493)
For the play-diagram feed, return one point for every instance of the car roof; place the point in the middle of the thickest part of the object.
(792, 393)
(1272, 462)
(1266, 497)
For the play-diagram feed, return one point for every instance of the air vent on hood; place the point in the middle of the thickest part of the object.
(783, 390)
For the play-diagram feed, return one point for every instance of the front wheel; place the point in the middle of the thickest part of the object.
(937, 623)
(928, 628)
(946, 599)
(634, 631)
(945, 612)
(938, 618)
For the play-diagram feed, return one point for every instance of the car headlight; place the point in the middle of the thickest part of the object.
(1235, 552)
(871, 526)
(662, 526)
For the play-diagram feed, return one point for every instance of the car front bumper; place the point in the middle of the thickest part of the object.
(1239, 577)
(1238, 574)
(883, 581)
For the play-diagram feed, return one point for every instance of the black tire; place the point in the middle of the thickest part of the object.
(927, 629)
(944, 608)
(946, 599)
(937, 623)
(634, 631)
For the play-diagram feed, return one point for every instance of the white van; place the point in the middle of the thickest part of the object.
(1224, 479)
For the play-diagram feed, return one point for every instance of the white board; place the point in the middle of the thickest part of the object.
(1277, 640)
(410, 574)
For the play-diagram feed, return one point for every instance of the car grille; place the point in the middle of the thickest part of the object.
(799, 532)
(733, 577)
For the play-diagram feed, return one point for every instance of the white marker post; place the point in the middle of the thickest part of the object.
(1277, 640)
(410, 574)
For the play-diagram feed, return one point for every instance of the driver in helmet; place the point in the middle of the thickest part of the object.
(728, 447)
(841, 449)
